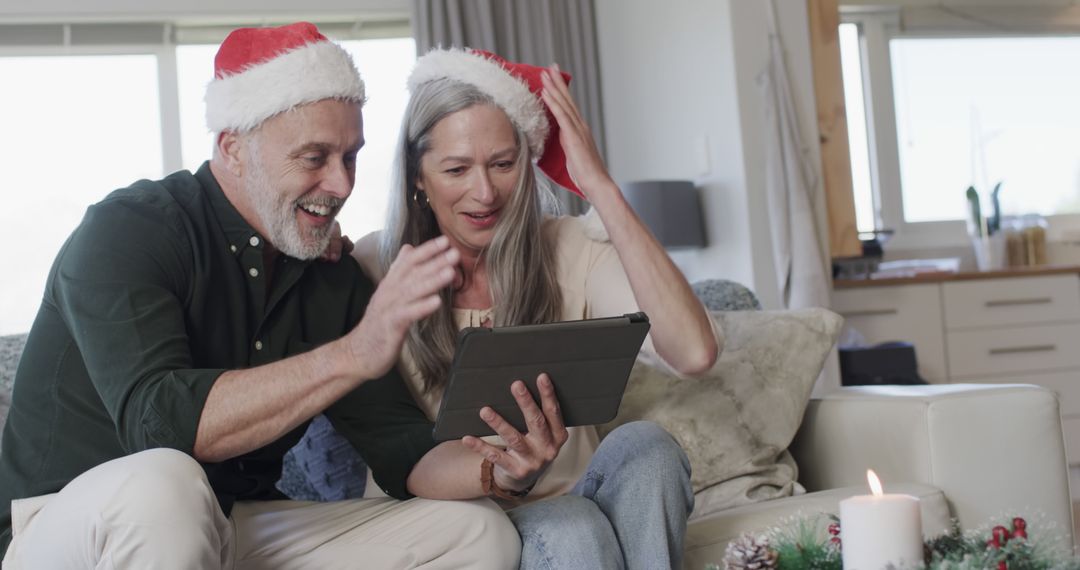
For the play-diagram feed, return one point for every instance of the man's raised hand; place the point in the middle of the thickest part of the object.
(408, 293)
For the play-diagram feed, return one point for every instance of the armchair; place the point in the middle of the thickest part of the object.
(972, 452)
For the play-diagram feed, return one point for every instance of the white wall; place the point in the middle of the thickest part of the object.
(19, 11)
(675, 77)
(670, 111)
(672, 78)
(751, 46)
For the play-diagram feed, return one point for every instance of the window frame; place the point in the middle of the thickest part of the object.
(168, 95)
(877, 27)
(129, 38)
(161, 41)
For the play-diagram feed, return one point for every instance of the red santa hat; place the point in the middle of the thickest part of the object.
(515, 88)
(260, 72)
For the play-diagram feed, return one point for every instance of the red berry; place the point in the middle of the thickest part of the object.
(834, 529)
(1001, 534)
(1019, 527)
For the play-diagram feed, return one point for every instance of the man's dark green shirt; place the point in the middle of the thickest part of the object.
(160, 290)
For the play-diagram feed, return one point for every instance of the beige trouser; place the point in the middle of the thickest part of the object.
(155, 509)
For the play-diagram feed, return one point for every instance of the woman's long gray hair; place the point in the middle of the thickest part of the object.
(520, 262)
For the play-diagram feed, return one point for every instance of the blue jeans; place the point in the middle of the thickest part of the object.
(629, 510)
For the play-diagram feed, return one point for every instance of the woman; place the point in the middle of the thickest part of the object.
(472, 129)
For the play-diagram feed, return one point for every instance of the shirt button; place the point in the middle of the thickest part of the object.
(254, 241)
(233, 248)
(253, 272)
(258, 345)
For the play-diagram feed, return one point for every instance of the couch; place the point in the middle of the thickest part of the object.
(974, 452)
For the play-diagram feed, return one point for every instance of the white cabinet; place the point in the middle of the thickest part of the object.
(911, 313)
(1014, 301)
(974, 354)
(1002, 330)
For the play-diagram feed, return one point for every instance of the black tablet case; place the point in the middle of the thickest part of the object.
(588, 361)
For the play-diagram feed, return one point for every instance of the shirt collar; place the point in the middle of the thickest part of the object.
(238, 232)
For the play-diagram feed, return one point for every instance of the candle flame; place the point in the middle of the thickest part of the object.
(875, 483)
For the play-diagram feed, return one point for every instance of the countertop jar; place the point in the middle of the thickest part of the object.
(1035, 238)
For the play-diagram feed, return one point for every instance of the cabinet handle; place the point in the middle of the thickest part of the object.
(870, 313)
(1013, 302)
(1020, 349)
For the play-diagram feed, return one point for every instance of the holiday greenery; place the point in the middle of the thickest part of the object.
(816, 543)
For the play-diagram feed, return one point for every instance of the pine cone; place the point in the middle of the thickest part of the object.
(749, 553)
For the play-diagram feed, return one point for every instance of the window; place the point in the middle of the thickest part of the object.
(851, 66)
(943, 102)
(60, 153)
(978, 111)
(78, 126)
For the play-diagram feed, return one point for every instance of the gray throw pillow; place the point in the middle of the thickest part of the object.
(725, 295)
(11, 348)
(736, 421)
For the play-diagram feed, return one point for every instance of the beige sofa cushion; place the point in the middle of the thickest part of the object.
(736, 421)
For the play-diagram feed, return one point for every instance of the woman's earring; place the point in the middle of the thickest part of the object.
(418, 196)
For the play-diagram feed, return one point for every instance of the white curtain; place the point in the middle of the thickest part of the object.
(537, 32)
(790, 181)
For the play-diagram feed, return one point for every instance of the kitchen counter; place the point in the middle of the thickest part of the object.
(942, 276)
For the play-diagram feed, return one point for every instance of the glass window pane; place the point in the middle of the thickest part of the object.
(858, 142)
(74, 129)
(983, 110)
(194, 69)
(384, 65)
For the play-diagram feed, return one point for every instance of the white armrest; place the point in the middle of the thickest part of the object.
(995, 450)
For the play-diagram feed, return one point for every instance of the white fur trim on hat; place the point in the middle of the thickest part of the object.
(511, 94)
(313, 72)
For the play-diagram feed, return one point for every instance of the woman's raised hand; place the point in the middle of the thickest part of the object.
(527, 454)
(583, 160)
(338, 245)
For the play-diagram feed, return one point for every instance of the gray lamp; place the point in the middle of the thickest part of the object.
(670, 208)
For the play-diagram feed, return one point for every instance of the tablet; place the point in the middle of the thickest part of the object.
(588, 361)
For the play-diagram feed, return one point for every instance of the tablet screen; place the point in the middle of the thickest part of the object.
(589, 362)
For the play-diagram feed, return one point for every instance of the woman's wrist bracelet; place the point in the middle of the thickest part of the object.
(492, 489)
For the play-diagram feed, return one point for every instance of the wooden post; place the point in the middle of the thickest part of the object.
(832, 124)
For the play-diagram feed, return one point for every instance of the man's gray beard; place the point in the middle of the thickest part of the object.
(278, 215)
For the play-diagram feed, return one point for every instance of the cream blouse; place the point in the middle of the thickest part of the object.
(593, 283)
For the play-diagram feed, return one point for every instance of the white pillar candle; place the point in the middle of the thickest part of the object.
(879, 530)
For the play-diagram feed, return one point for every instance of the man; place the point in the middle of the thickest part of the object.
(186, 338)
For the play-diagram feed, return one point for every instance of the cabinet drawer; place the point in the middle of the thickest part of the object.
(1016, 301)
(1000, 352)
(1066, 384)
(910, 313)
